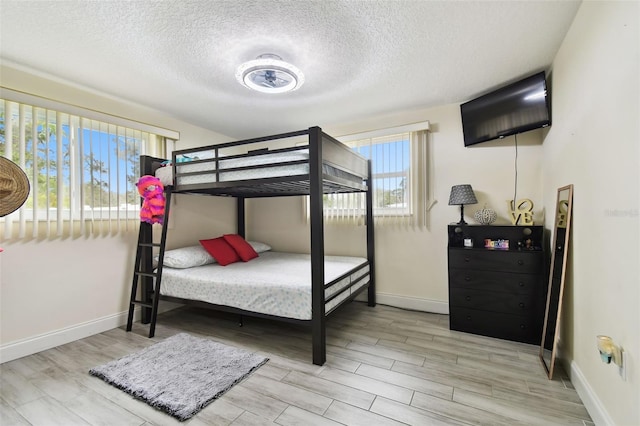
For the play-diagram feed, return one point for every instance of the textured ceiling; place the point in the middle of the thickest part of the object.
(360, 58)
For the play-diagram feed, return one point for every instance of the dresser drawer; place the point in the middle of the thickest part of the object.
(495, 281)
(497, 260)
(496, 324)
(508, 303)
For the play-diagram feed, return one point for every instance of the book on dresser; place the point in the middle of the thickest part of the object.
(497, 281)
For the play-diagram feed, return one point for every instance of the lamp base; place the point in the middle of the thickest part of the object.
(462, 222)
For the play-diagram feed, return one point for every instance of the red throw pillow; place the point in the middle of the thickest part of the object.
(243, 248)
(221, 251)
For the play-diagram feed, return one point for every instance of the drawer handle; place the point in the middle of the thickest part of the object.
(522, 327)
(466, 259)
(468, 317)
(467, 278)
(521, 284)
(520, 262)
(468, 298)
(521, 305)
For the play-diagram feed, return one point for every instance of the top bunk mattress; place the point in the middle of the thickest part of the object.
(276, 173)
(275, 283)
(265, 166)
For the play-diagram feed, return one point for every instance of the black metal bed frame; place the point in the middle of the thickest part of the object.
(323, 150)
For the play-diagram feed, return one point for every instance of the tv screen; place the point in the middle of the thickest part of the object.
(516, 108)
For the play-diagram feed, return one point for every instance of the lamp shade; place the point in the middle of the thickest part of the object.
(462, 194)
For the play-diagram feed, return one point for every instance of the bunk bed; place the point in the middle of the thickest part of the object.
(316, 164)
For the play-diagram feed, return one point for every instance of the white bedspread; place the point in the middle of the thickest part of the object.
(275, 283)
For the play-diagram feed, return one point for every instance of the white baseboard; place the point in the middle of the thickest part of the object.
(42, 342)
(591, 402)
(413, 303)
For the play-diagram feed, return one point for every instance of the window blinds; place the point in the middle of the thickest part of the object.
(82, 171)
(400, 163)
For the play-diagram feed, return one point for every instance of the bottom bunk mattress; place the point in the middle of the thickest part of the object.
(275, 283)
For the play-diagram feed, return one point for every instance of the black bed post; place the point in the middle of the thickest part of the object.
(241, 217)
(370, 242)
(317, 246)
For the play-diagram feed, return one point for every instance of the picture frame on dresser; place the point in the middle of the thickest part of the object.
(498, 290)
(557, 273)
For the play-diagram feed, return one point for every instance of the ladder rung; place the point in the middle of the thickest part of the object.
(147, 274)
(150, 244)
(141, 303)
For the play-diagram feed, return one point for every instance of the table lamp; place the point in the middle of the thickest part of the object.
(461, 195)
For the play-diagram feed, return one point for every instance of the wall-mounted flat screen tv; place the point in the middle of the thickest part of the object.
(516, 108)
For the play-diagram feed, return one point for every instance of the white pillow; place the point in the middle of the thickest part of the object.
(165, 174)
(187, 257)
(259, 247)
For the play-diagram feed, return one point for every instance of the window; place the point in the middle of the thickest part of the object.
(400, 164)
(82, 170)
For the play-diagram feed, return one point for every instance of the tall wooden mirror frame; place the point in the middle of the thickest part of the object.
(562, 226)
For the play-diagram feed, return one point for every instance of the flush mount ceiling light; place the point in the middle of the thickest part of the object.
(269, 74)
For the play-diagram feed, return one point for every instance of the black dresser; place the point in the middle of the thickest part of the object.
(497, 292)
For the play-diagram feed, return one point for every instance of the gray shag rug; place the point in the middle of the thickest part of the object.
(180, 375)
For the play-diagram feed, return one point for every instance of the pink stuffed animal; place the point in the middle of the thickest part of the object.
(152, 192)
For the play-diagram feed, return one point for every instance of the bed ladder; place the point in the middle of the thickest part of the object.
(143, 272)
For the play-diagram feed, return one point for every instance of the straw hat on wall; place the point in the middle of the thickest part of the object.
(14, 186)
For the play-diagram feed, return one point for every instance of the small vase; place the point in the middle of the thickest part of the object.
(485, 216)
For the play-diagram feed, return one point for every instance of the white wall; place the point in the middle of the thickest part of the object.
(412, 264)
(54, 290)
(593, 144)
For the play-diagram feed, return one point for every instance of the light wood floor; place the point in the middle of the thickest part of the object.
(385, 366)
